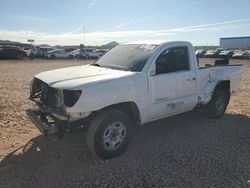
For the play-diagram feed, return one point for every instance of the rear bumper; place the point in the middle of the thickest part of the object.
(43, 126)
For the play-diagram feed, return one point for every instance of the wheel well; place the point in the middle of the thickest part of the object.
(130, 108)
(224, 85)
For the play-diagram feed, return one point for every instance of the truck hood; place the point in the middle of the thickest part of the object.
(74, 77)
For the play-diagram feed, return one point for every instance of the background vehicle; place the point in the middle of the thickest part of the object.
(74, 54)
(12, 53)
(89, 53)
(213, 53)
(132, 84)
(102, 51)
(58, 53)
(241, 55)
(226, 54)
(33, 51)
(43, 50)
(69, 49)
(200, 53)
(237, 51)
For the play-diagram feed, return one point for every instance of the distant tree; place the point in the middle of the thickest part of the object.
(81, 46)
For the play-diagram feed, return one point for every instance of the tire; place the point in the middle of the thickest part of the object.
(71, 57)
(217, 106)
(19, 56)
(53, 57)
(32, 56)
(109, 134)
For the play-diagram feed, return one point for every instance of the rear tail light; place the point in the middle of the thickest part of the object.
(71, 97)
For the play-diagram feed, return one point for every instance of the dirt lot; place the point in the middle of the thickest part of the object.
(181, 151)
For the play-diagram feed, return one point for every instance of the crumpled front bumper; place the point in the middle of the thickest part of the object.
(44, 127)
(47, 120)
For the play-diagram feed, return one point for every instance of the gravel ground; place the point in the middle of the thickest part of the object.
(180, 151)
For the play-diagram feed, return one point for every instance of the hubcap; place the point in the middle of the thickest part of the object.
(219, 104)
(114, 135)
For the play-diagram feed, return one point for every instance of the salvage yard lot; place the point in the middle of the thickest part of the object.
(181, 151)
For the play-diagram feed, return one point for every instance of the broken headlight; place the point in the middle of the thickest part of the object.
(70, 97)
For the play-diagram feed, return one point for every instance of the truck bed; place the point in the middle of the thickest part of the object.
(209, 76)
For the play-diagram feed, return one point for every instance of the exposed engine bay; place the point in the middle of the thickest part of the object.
(51, 116)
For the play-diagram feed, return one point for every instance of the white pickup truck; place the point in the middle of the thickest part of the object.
(132, 84)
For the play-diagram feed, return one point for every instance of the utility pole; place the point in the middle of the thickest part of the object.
(32, 53)
(84, 42)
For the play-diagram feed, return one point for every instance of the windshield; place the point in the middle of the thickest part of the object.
(211, 51)
(53, 51)
(130, 57)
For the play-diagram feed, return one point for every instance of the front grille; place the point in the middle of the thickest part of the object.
(49, 96)
(44, 94)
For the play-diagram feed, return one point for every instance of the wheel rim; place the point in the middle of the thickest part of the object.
(114, 136)
(220, 105)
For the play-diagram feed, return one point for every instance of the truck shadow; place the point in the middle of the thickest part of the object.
(46, 161)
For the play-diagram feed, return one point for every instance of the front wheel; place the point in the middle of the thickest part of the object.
(109, 134)
(218, 104)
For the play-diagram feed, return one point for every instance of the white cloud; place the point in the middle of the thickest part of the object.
(92, 4)
(194, 3)
(97, 38)
(142, 19)
(198, 2)
(90, 7)
(28, 18)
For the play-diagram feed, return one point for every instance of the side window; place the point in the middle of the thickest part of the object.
(172, 60)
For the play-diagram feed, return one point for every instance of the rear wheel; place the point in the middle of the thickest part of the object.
(218, 104)
(109, 134)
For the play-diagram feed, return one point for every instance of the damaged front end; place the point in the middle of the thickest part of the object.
(50, 116)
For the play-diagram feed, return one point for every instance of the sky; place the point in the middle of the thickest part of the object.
(62, 22)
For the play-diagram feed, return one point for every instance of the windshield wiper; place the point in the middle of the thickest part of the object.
(117, 68)
(96, 64)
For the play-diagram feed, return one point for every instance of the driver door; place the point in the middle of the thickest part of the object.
(173, 86)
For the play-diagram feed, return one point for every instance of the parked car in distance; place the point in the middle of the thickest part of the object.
(58, 54)
(210, 53)
(132, 84)
(74, 54)
(89, 53)
(69, 49)
(102, 51)
(43, 50)
(237, 51)
(12, 53)
(33, 51)
(200, 53)
(226, 54)
(213, 53)
(241, 55)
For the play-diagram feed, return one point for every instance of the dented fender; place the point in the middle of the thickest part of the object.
(209, 78)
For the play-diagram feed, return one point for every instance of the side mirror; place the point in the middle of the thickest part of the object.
(152, 71)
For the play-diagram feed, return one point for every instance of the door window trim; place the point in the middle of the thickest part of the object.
(182, 70)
